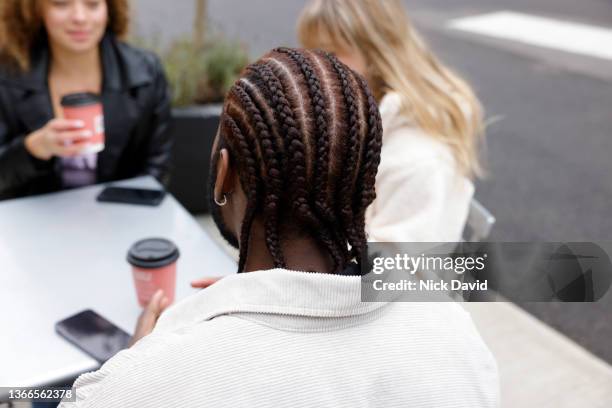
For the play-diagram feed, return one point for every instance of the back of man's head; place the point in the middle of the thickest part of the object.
(305, 135)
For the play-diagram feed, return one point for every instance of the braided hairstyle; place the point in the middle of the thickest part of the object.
(305, 134)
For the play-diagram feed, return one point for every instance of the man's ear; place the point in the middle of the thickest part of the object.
(226, 177)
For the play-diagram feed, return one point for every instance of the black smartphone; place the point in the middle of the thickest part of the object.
(93, 334)
(127, 195)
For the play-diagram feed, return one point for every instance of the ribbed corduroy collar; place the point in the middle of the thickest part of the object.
(275, 291)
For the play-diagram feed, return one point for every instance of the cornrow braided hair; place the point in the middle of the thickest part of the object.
(295, 148)
(271, 172)
(321, 136)
(371, 159)
(305, 134)
(250, 184)
(352, 155)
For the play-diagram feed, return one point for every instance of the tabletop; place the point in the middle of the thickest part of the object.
(65, 252)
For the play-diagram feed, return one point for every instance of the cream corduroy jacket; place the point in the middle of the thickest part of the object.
(281, 338)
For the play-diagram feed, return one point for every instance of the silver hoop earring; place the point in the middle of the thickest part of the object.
(221, 203)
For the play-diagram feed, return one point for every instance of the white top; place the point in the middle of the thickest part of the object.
(421, 196)
(281, 338)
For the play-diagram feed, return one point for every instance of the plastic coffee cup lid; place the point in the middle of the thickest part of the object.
(152, 253)
(80, 99)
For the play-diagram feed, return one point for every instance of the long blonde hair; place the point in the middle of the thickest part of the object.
(432, 96)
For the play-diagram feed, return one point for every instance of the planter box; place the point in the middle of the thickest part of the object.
(194, 129)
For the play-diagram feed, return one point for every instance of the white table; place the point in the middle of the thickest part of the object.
(63, 253)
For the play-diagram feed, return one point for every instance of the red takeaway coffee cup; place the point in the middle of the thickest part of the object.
(153, 263)
(87, 108)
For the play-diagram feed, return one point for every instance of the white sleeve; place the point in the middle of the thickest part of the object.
(97, 388)
(412, 203)
(86, 385)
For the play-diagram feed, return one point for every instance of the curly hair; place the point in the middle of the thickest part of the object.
(305, 133)
(21, 25)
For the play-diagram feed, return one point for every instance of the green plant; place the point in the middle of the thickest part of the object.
(198, 74)
(200, 68)
(185, 71)
(202, 75)
(223, 60)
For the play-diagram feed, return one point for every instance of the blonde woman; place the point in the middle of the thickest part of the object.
(431, 118)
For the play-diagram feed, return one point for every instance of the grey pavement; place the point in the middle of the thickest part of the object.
(549, 142)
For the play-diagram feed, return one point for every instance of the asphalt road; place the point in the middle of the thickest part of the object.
(550, 140)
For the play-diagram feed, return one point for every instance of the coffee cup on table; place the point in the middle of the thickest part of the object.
(86, 107)
(153, 263)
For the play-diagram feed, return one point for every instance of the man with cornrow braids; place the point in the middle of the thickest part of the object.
(293, 171)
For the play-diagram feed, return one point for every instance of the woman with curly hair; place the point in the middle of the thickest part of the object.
(52, 48)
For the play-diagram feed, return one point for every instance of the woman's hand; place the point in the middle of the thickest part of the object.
(205, 282)
(59, 137)
(149, 316)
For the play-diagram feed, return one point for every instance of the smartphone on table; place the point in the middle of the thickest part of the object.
(128, 195)
(93, 334)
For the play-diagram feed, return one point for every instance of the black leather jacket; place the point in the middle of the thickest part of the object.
(136, 103)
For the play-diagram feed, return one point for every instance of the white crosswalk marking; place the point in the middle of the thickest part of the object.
(540, 31)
